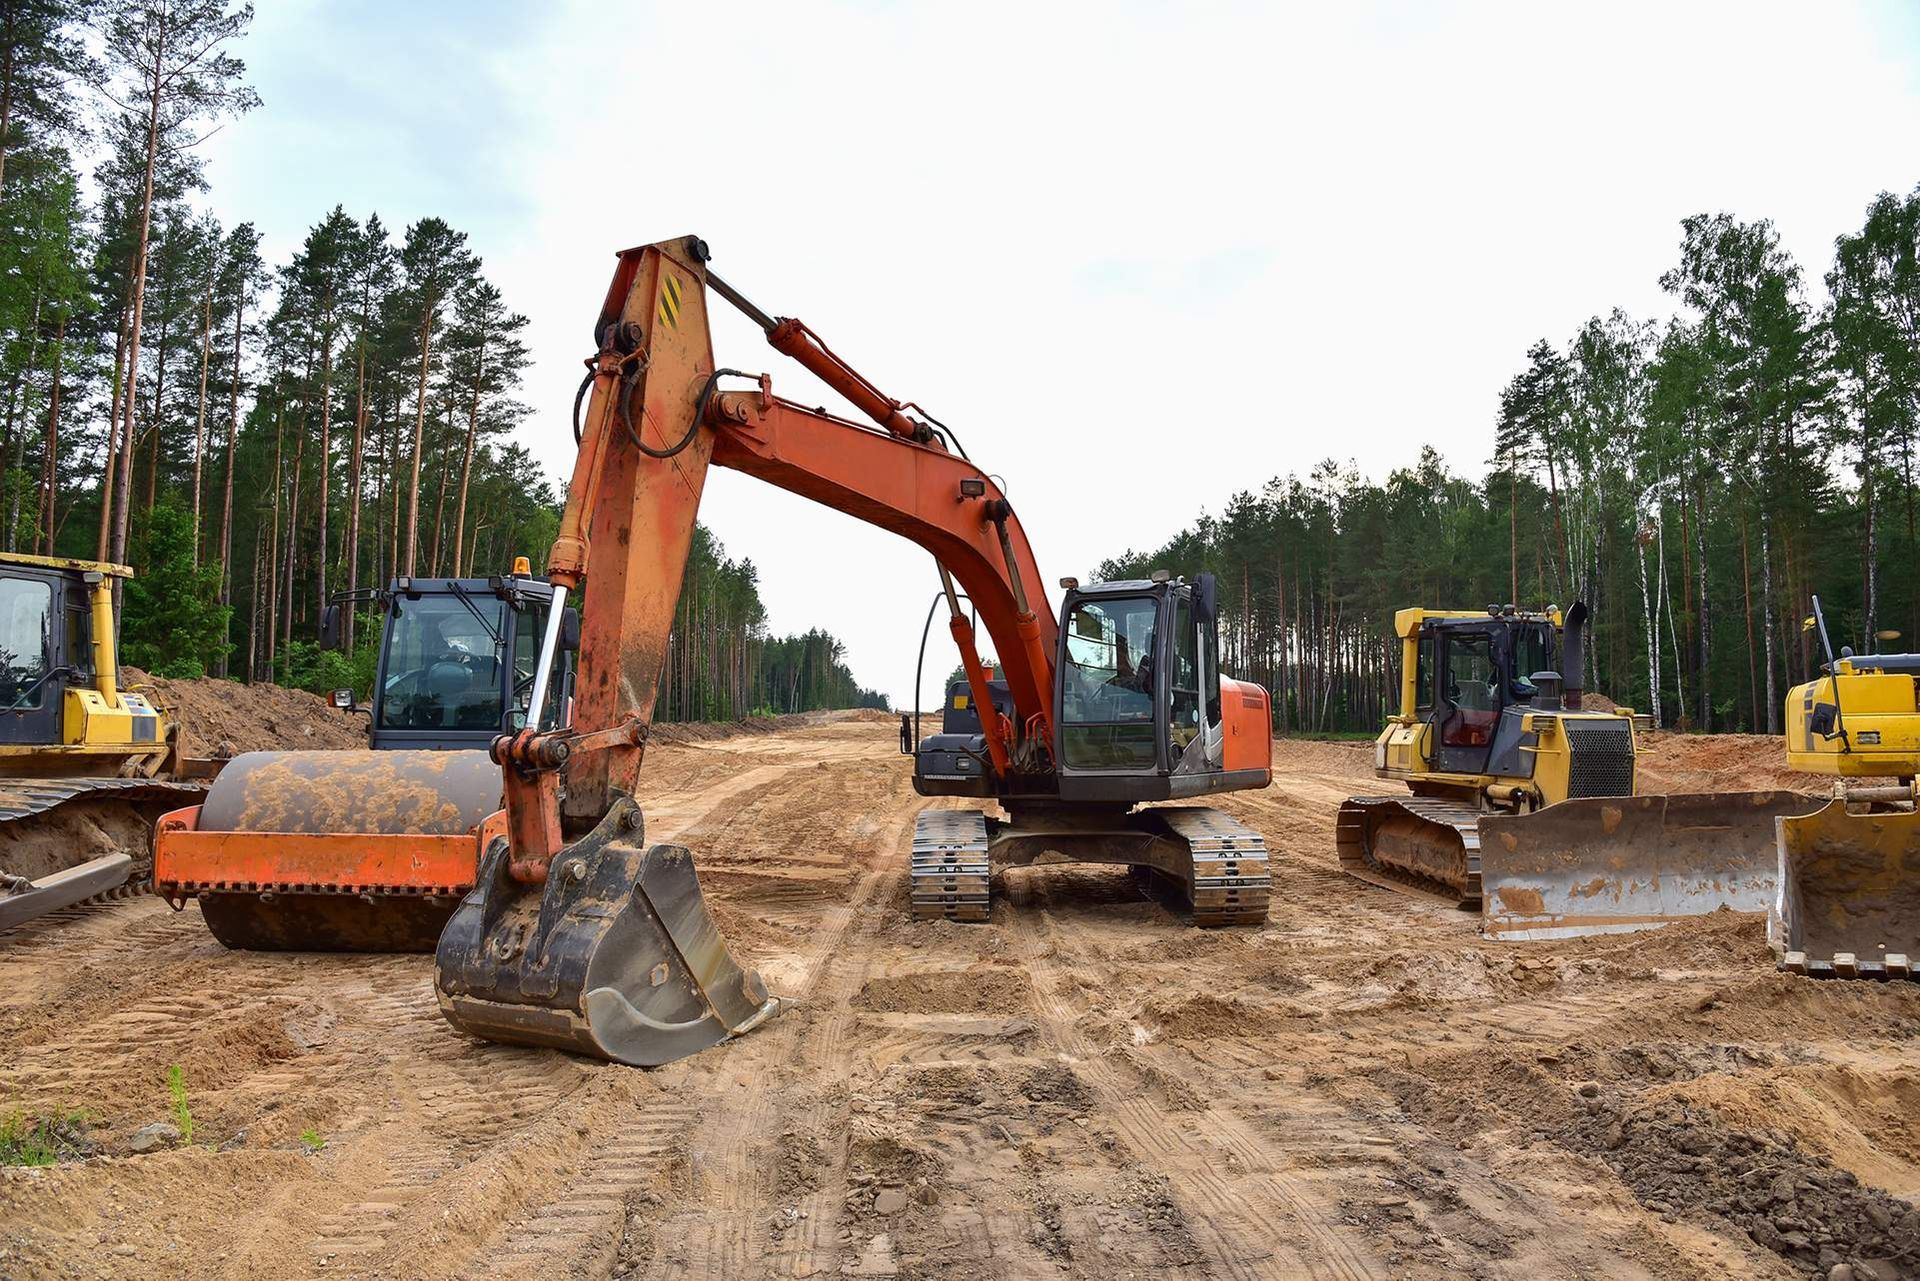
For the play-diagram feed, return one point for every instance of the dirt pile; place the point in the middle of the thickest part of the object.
(1680, 1159)
(1671, 762)
(225, 718)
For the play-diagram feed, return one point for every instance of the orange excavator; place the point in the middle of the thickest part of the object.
(574, 932)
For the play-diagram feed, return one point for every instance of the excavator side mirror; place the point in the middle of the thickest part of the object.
(330, 628)
(1206, 597)
(569, 630)
(1823, 719)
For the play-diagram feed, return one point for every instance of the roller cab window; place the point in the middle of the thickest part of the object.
(1107, 698)
(443, 663)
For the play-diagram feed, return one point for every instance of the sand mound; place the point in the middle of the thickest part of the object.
(225, 718)
(708, 731)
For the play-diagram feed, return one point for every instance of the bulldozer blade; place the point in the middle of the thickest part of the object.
(615, 955)
(63, 889)
(1849, 894)
(1607, 865)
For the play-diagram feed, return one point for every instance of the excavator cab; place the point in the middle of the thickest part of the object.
(1139, 701)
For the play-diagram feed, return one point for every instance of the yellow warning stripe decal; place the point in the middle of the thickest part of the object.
(669, 300)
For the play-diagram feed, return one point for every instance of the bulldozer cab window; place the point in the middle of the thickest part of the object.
(79, 642)
(1107, 693)
(1532, 652)
(443, 664)
(1471, 691)
(1423, 678)
(26, 637)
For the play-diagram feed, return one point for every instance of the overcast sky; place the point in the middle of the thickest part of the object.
(1139, 256)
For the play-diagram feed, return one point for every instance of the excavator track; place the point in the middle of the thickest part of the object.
(1432, 846)
(1218, 863)
(1228, 882)
(951, 878)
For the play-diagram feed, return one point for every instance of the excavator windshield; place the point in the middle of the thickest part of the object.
(1107, 700)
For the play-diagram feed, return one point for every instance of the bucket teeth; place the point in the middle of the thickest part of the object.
(614, 955)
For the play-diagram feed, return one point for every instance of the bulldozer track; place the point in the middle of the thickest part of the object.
(1350, 839)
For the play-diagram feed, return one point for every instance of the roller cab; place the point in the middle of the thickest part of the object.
(370, 851)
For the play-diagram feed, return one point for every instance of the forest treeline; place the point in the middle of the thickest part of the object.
(1696, 480)
(252, 436)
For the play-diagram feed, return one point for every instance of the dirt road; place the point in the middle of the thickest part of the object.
(1084, 1087)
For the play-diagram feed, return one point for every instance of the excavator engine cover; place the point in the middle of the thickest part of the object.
(332, 851)
(613, 955)
(1849, 894)
(1609, 864)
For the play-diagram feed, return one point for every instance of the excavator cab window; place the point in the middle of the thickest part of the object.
(1183, 722)
(1107, 719)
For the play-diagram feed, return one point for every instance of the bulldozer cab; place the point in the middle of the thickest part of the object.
(457, 660)
(44, 642)
(1470, 672)
(59, 697)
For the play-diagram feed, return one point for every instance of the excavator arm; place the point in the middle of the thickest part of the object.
(577, 934)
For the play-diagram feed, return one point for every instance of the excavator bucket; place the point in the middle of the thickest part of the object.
(1606, 865)
(613, 955)
(1849, 893)
(332, 851)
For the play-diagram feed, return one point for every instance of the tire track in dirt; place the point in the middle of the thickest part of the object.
(1236, 1214)
(731, 1231)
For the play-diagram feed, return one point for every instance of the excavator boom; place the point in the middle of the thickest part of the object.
(578, 935)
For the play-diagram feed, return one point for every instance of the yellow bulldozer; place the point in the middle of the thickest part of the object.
(1847, 901)
(1523, 803)
(86, 767)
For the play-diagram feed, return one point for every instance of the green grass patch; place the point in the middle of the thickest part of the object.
(311, 1140)
(177, 1091)
(42, 1140)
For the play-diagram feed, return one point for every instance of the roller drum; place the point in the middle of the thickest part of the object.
(284, 899)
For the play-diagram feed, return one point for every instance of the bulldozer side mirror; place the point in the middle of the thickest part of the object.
(1206, 597)
(330, 628)
(569, 630)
